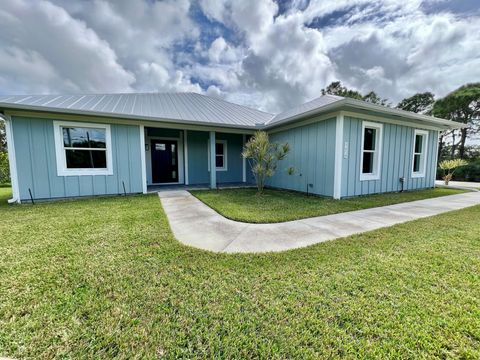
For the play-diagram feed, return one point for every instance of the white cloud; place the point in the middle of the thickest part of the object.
(222, 52)
(251, 51)
(62, 53)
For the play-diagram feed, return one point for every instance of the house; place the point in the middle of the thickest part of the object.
(82, 145)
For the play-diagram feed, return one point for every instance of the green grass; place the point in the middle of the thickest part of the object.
(105, 278)
(278, 205)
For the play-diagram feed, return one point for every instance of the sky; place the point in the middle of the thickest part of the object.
(267, 54)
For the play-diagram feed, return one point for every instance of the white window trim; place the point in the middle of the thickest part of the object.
(378, 152)
(62, 169)
(225, 155)
(423, 158)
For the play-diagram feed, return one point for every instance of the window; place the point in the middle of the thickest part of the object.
(371, 151)
(220, 155)
(82, 149)
(420, 142)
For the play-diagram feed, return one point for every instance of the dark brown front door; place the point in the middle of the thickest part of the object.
(164, 161)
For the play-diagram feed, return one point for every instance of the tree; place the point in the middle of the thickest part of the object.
(3, 137)
(4, 169)
(461, 105)
(449, 167)
(336, 88)
(420, 103)
(263, 157)
(373, 98)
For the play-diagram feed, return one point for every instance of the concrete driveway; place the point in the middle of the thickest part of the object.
(194, 223)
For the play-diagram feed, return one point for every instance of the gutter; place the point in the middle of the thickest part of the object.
(11, 159)
(338, 105)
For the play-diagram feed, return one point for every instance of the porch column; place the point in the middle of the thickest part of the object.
(213, 168)
(244, 161)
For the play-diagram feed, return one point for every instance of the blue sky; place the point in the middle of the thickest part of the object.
(263, 53)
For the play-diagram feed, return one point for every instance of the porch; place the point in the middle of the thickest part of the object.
(182, 158)
(234, 185)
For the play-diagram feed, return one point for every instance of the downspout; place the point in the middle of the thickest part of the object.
(11, 159)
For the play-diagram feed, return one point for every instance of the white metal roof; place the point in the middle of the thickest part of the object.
(200, 109)
(182, 107)
(304, 108)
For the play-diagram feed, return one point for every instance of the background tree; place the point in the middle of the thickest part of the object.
(3, 138)
(421, 103)
(373, 98)
(336, 88)
(263, 157)
(461, 105)
(4, 168)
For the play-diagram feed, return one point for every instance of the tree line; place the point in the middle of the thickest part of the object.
(461, 105)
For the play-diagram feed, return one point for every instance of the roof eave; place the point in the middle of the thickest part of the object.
(43, 109)
(433, 121)
(441, 124)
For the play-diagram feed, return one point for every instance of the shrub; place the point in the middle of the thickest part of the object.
(4, 169)
(449, 167)
(263, 157)
(470, 172)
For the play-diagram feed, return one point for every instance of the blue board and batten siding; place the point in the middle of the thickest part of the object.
(37, 167)
(396, 160)
(197, 145)
(312, 156)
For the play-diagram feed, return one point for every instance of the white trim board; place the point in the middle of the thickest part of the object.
(378, 151)
(185, 154)
(337, 180)
(380, 119)
(61, 160)
(424, 153)
(143, 158)
(244, 161)
(225, 154)
(12, 160)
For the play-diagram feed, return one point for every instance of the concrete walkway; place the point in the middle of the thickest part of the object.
(195, 224)
(459, 185)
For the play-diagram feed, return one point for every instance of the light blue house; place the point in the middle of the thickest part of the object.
(84, 145)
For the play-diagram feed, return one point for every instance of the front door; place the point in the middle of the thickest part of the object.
(164, 161)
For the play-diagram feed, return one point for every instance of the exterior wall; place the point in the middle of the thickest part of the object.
(312, 154)
(37, 168)
(197, 147)
(197, 157)
(396, 160)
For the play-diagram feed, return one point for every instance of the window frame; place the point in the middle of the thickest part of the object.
(375, 175)
(225, 157)
(424, 154)
(60, 150)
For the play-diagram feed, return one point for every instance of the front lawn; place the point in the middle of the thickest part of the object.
(104, 278)
(279, 205)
